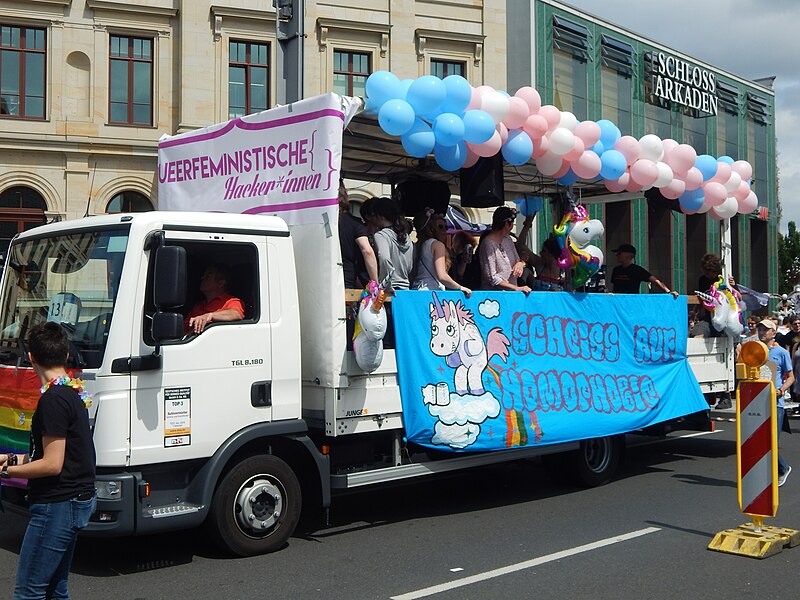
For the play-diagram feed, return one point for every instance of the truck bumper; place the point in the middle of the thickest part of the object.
(115, 516)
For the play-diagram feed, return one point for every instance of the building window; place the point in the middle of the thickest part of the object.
(22, 72)
(727, 134)
(21, 208)
(570, 54)
(131, 81)
(445, 68)
(350, 72)
(757, 156)
(615, 81)
(129, 202)
(248, 78)
(657, 118)
(695, 130)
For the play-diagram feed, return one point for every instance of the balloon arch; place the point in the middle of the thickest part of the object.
(459, 124)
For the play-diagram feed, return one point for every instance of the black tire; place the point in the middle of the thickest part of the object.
(597, 460)
(256, 507)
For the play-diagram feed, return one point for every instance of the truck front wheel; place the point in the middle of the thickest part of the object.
(255, 507)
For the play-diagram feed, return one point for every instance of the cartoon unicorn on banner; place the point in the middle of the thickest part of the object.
(455, 336)
(574, 233)
(724, 302)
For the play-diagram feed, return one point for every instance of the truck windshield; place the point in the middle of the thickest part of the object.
(69, 279)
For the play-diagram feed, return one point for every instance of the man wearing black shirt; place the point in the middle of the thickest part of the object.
(60, 470)
(358, 258)
(627, 276)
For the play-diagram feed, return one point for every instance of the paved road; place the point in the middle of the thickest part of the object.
(504, 531)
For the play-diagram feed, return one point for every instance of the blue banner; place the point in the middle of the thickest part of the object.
(502, 370)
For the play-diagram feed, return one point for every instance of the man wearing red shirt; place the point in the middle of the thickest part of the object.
(218, 306)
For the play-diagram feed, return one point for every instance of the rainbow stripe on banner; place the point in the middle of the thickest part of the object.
(502, 370)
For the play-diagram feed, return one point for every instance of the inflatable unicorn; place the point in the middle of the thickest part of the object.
(574, 233)
(370, 328)
(724, 302)
(455, 336)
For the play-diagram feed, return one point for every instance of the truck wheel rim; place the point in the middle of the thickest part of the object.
(598, 455)
(259, 505)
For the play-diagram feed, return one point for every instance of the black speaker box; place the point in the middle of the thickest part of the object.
(415, 195)
(482, 184)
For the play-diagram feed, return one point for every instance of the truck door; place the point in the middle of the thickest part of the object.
(211, 384)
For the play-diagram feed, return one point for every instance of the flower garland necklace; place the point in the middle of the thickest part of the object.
(75, 384)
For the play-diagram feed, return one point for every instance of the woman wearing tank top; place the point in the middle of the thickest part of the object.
(430, 266)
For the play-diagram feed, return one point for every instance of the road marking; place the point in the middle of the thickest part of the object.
(662, 440)
(444, 587)
(456, 569)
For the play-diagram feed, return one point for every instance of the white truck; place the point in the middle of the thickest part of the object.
(236, 427)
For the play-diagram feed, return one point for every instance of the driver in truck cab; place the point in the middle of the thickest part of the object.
(218, 305)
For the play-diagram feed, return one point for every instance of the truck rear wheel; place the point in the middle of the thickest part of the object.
(255, 507)
(597, 460)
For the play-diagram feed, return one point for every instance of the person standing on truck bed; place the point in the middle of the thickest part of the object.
(218, 305)
(627, 276)
(500, 263)
(358, 258)
(60, 471)
(430, 255)
(395, 251)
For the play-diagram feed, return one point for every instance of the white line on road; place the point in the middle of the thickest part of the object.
(662, 440)
(444, 587)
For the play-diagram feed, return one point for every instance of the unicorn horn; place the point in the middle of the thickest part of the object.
(378, 303)
(439, 309)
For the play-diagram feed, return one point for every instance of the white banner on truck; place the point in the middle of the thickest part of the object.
(284, 161)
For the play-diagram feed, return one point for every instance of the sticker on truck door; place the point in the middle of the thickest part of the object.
(177, 417)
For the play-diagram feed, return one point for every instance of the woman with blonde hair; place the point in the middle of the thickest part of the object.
(430, 264)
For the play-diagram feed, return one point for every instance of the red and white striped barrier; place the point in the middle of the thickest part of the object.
(757, 448)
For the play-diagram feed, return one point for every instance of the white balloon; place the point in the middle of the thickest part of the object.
(733, 183)
(549, 163)
(568, 121)
(496, 104)
(704, 208)
(562, 140)
(652, 148)
(665, 175)
(727, 209)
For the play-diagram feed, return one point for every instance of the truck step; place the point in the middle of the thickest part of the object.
(172, 510)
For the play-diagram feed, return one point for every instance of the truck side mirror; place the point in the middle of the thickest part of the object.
(169, 285)
(167, 326)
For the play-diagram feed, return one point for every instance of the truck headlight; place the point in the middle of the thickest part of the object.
(108, 490)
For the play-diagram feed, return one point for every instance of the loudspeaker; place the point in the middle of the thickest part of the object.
(415, 195)
(482, 184)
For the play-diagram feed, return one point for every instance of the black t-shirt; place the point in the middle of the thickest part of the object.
(355, 271)
(788, 340)
(704, 283)
(626, 280)
(61, 413)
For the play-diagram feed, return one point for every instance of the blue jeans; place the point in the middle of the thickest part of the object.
(782, 466)
(47, 548)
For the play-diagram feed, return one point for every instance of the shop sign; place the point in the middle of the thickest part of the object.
(678, 81)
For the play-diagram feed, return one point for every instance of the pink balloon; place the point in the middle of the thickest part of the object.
(535, 126)
(714, 215)
(629, 148)
(541, 147)
(472, 158)
(577, 151)
(588, 132)
(549, 164)
(644, 172)
(552, 115)
(633, 186)
(485, 89)
(531, 97)
(723, 173)
(714, 192)
(682, 158)
(475, 100)
(518, 112)
(617, 185)
(503, 131)
(744, 169)
(693, 178)
(749, 204)
(488, 148)
(686, 211)
(674, 189)
(742, 192)
(669, 145)
(587, 166)
(565, 166)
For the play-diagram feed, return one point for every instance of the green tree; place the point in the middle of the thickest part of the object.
(789, 259)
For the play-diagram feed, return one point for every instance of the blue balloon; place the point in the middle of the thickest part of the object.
(479, 126)
(450, 158)
(707, 165)
(404, 85)
(612, 164)
(725, 159)
(458, 93)
(419, 140)
(609, 133)
(448, 129)
(598, 148)
(567, 178)
(396, 117)
(691, 199)
(426, 94)
(518, 148)
(383, 86)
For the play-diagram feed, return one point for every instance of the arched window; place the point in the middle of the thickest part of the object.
(129, 202)
(21, 208)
